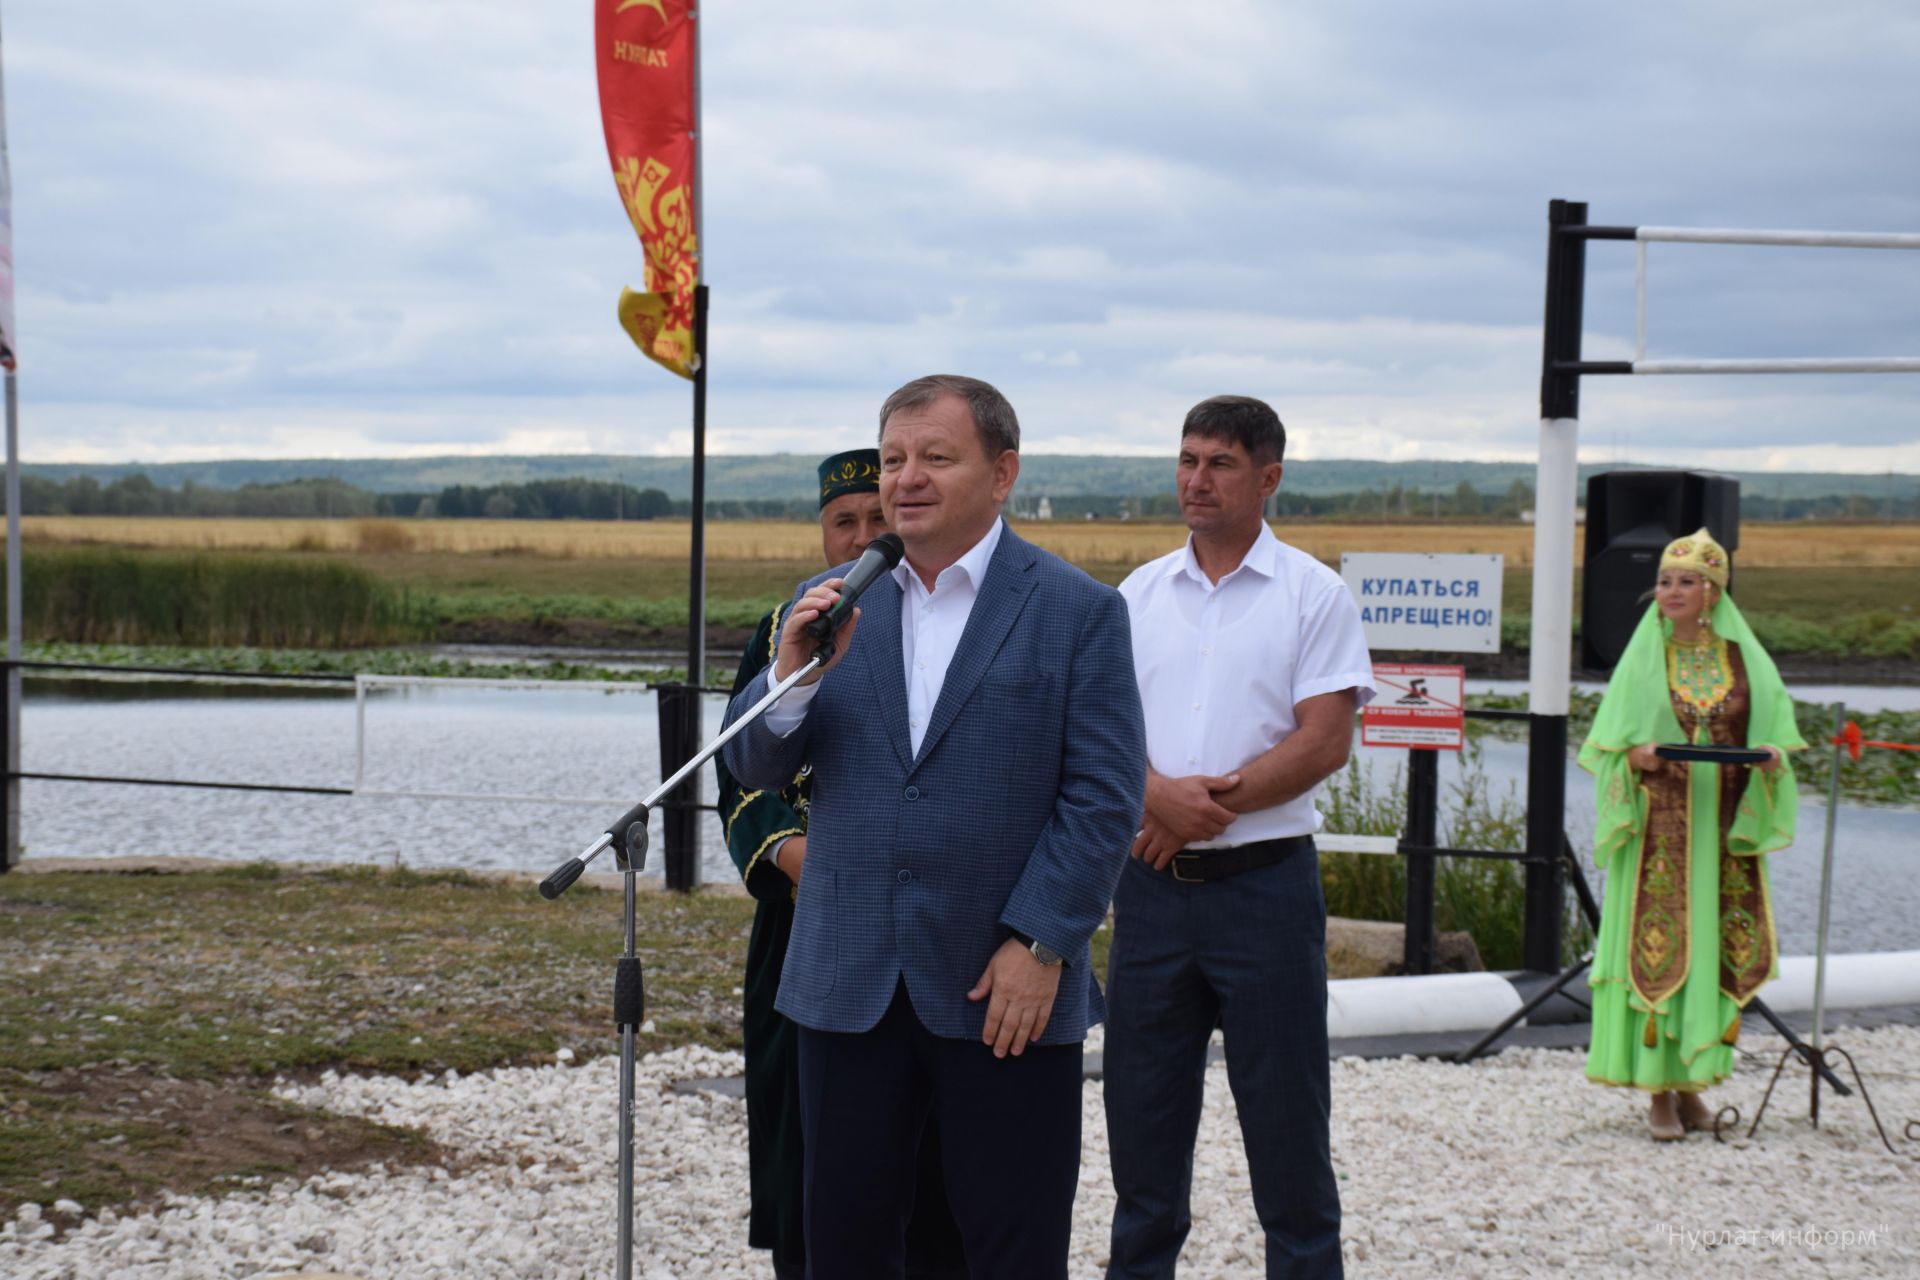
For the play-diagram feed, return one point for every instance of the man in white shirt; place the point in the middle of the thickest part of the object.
(1251, 661)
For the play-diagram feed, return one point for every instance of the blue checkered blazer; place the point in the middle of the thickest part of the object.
(1017, 814)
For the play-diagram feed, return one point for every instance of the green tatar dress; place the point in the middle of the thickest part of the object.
(1686, 929)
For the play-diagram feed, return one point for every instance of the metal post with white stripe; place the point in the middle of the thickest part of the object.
(1551, 656)
(1554, 500)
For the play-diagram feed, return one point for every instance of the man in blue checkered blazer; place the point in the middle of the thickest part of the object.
(978, 774)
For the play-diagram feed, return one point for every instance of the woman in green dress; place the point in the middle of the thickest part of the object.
(1686, 931)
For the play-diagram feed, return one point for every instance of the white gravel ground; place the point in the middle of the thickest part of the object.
(1512, 1167)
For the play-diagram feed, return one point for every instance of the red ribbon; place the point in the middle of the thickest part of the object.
(1850, 739)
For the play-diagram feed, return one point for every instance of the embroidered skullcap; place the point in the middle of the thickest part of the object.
(855, 471)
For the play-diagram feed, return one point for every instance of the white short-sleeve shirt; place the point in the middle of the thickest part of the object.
(1222, 665)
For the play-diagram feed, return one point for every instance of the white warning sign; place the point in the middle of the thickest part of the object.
(1417, 705)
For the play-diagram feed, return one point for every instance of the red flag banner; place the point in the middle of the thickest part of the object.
(645, 52)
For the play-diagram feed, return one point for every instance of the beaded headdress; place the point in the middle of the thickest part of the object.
(1700, 553)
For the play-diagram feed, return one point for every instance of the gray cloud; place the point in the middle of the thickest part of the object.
(389, 225)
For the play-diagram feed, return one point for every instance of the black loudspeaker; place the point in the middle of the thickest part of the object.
(1631, 517)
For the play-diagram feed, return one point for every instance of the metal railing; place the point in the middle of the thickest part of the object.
(681, 738)
(681, 734)
(359, 685)
(9, 666)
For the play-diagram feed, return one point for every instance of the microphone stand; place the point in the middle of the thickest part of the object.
(629, 832)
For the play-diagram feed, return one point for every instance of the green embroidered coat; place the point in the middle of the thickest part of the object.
(1686, 928)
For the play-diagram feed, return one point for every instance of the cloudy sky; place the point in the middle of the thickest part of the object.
(383, 227)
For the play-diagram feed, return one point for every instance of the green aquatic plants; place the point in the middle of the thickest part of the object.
(347, 662)
(1485, 897)
(113, 596)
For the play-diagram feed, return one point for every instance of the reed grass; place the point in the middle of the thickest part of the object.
(97, 595)
(520, 606)
(1484, 897)
(381, 535)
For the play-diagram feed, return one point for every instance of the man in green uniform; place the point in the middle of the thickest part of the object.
(767, 838)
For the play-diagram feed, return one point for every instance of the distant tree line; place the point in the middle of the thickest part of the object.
(580, 499)
(325, 498)
(1399, 502)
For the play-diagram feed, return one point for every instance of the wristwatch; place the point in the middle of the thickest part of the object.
(1045, 954)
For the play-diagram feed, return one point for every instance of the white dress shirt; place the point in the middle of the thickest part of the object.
(1222, 665)
(931, 623)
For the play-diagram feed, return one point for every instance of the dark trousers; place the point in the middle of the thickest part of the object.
(1010, 1142)
(1246, 954)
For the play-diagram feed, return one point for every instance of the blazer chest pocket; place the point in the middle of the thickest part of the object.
(1025, 721)
(1020, 696)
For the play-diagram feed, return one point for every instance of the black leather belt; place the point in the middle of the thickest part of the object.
(1197, 866)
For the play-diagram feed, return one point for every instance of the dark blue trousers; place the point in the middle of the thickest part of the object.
(1010, 1146)
(1246, 954)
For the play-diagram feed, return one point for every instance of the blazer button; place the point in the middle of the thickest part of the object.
(912, 793)
(905, 876)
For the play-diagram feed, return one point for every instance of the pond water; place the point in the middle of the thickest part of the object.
(588, 754)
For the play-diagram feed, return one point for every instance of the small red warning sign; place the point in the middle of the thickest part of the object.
(1415, 705)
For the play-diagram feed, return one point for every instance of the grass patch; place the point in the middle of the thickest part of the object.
(212, 983)
(398, 662)
(117, 596)
(621, 585)
(519, 606)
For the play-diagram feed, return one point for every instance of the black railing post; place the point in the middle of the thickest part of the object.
(1546, 884)
(697, 549)
(1423, 806)
(10, 762)
(679, 711)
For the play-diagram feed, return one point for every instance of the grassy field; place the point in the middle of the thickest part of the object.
(1084, 543)
(1835, 591)
(108, 594)
(147, 1016)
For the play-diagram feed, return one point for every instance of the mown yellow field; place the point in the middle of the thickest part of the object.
(1093, 542)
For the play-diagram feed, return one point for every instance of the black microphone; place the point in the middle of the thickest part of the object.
(881, 555)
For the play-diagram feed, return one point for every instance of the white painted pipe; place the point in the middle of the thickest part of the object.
(490, 797)
(489, 682)
(1481, 1001)
(1325, 843)
(1856, 981)
(1819, 364)
(1414, 1005)
(1816, 239)
(1640, 302)
(1550, 666)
